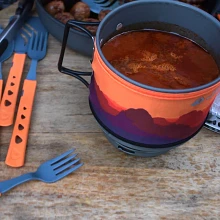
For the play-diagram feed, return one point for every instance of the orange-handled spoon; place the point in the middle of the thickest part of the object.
(16, 153)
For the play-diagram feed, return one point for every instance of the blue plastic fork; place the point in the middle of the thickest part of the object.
(96, 7)
(37, 50)
(48, 172)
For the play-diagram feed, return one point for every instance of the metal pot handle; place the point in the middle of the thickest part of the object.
(61, 68)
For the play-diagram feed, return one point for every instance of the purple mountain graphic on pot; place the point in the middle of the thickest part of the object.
(137, 125)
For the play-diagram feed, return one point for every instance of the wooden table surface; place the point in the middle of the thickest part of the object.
(182, 184)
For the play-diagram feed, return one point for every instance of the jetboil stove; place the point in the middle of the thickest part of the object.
(213, 119)
(212, 123)
(137, 149)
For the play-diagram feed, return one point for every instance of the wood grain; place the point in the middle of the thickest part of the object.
(182, 184)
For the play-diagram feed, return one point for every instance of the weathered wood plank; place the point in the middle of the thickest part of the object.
(171, 186)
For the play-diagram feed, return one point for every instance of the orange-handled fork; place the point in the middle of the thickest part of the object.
(37, 50)
(8, 103)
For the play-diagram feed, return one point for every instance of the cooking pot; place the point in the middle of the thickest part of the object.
(137, 117)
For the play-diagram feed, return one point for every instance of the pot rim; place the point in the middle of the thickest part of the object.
(162, 90)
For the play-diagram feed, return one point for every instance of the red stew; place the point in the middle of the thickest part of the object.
(160, 59)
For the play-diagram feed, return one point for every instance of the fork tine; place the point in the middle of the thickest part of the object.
(45, 41)
(69, 171)
(61, 169)
(56, 159)
(36, 40)
(40, 45)
(31, 40)
(56, 165)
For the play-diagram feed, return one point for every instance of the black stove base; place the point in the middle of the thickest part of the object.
(135, 150)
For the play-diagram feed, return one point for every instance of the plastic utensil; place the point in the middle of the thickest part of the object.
(7, 53)
(37, 50)
(48, 172)
(9, 99)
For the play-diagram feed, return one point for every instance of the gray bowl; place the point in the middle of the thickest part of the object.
(77, 40)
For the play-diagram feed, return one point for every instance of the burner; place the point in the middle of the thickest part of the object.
(135, 150)
(213, 120)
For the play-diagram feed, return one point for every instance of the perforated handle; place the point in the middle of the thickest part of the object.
(8, 103)
(18, 143)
